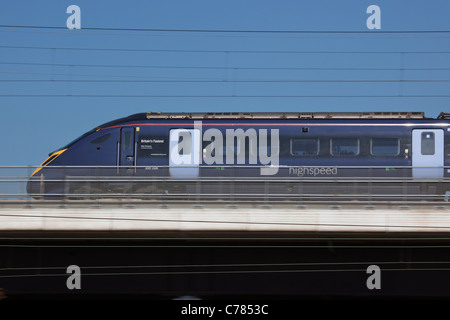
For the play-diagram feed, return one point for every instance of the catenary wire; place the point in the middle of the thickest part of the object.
(186, 79)
(221, 272)
(372, 35)
(228, 265)
(233, 238)
(223, 67)
(222, 51)
(238, 246)
(229, 80)
(231, 30)
(213, 96)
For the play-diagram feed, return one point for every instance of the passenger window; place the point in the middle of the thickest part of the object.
(101, 139)
(385, 146)
(344, 147)
(127, 141)
(427, 147)
(304, 147)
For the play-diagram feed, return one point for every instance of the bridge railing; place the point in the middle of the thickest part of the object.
(236, 183)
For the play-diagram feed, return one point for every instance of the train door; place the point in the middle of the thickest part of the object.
(184, 153)
(127, 151)
(428, 153)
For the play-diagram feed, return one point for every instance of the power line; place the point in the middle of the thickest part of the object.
(211, 96)
(228, 81)
(81, 75)
(235, 30)
(247, 271)
(223, 51)
(223, 68)
(228, 265)
(187, 79)
(237, 246)
(343, 238)
(219, 272)
(372, 35)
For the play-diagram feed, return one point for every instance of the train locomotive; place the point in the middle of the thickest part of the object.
(250, 154)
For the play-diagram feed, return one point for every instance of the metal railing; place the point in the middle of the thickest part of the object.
(295, 185)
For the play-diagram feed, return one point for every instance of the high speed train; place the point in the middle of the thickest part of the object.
(296, 153)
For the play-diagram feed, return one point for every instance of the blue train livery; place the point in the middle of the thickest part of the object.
(152, 153)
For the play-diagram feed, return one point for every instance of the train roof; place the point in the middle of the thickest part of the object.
(274, 115)
(287, 115)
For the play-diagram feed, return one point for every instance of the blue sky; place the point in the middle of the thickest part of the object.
(219, 72)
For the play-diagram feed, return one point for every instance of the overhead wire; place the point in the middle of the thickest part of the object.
(237, 246)
(371, 35)
(287, 238)
(224, 272)
(228, 33)
(222, 51)
(230, 30)
(221, 272)
(397, 96)
(228, 265)
(225, 67)
(175, 80)
(226, 52)
(228, 80)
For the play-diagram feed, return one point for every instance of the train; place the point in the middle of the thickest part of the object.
(289, 154)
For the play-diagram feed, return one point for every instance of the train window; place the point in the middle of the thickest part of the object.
(344, 146)
(427, 143)
(304, 147)
(127, 141)
(385, 146)
(101, 139)
(76, 140)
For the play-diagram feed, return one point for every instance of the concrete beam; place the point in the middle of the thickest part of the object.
(398, 220)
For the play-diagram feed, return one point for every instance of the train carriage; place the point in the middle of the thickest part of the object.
(353, 155)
